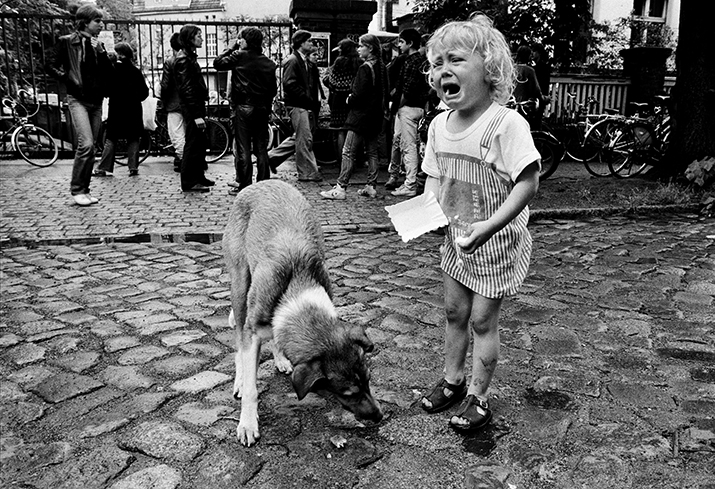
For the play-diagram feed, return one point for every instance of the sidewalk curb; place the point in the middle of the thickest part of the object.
(213, 236)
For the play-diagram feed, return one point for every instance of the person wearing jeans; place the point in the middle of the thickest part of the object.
(300, 97)
(413, 88)
(253, 86)
(368, 108)
(81, 62)
(170, 101)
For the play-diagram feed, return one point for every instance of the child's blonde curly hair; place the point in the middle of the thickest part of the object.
(478, 35)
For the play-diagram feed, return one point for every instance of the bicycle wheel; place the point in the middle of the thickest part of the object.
(217, 141)
(550, 152)
(35, 145)
(629, 149)
(574, 138)
(598, 139)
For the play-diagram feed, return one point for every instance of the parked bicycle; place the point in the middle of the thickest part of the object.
(549, 147)
(585, 134)
(641, 140)
(34, 144)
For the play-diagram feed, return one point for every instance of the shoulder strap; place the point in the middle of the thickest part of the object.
(488, 136)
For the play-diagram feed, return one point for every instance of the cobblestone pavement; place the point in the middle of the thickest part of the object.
(116, 358)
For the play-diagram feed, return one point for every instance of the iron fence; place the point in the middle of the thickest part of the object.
(27, 41)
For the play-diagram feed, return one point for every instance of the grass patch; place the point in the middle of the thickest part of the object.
(660, 194)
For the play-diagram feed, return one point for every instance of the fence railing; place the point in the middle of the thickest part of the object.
(568, 92)
(28, 41)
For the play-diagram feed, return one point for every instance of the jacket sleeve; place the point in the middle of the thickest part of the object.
(165, 84)
(225, 61)
(57, 61)
(293, 85)
(190, 92)
(362, 88)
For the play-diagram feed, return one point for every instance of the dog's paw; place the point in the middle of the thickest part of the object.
(283, 365)
(248, 433)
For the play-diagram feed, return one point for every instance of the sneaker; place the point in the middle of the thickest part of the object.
(92, 200)
(368, 191)
(404, 192)
(82, 200)
(335, 193)
(392, 183)
(234, 184)
(102, 173)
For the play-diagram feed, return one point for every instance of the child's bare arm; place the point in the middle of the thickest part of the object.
(432, 185)
(527, 183)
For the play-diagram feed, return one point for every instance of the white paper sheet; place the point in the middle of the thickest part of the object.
(416, 216)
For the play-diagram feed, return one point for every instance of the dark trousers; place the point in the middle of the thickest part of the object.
(251, 131)
(193, 164)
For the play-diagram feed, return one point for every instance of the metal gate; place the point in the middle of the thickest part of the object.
(28, 40)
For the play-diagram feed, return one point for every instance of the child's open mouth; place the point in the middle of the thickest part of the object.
(450, 88)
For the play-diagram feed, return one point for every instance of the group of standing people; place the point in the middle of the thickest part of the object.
(82, 63)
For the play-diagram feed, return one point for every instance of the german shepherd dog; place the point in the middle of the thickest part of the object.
(280, 289)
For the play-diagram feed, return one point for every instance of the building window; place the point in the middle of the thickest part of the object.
(211, 45)
(650, 9)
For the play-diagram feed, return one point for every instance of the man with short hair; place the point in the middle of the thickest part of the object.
(170, 102)
(414, 90)
(81, 62)
(299, 95)
(253, 86)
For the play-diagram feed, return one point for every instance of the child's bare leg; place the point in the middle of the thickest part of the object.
(458, 307)
(484, 322)
(457, 300)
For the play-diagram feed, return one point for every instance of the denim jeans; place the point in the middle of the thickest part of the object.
(86, 118)
(353, 144)
(408, 118)
(251, 130)
(303, 124)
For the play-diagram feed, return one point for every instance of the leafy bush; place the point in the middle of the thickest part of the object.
(701, 172)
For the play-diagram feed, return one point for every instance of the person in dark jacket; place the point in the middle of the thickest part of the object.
(542, 68)
(527, 86)
(169, 96)
(81, 62)
(124, 121)
(253, 86)
(339, 80)
(413, 91)
(368, 103)
(299, 95)
(193, 95)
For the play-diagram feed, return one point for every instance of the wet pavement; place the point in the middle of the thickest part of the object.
(116, 358)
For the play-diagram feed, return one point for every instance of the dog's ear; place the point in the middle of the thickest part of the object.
(357, 334)
(305, 376)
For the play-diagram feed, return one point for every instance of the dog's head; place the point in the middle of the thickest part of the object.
(342, 371)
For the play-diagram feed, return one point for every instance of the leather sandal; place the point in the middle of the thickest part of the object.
(444, 395)
(475, 411)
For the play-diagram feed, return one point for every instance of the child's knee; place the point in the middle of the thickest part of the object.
(483, 325)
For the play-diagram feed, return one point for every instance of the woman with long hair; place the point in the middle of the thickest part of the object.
(339, 79)
(368, 108)
(193, 95)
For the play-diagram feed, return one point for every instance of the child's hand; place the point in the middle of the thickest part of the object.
(481, 232)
